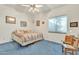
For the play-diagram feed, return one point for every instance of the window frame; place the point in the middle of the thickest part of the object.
(57, 31)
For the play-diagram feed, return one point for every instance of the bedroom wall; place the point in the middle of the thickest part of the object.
(5, 28)
(72, 11)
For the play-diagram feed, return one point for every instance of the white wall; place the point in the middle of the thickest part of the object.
(5, 28)
(72, 11)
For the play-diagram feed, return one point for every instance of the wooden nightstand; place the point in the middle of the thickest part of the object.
(70, 45)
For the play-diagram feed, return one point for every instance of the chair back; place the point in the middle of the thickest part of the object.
(69, 40)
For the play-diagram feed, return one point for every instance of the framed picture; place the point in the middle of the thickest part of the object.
(38, 23)
(23, 23)
(10, 20)
(43, 22)
(73, 24)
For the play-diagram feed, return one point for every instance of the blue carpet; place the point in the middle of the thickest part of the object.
(43, 47)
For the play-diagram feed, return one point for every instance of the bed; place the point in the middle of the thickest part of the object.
(25, 37)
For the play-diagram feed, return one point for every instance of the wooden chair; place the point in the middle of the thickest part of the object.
(69, 45)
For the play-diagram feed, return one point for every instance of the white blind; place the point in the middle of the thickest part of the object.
(58, 24)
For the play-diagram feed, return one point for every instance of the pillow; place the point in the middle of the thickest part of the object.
(29, 30)
(18, 34)
(19, 31)
(22, 31)
(25, 31)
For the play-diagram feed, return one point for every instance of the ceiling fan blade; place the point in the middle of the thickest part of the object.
(33, 7)
(26, 5)
(30, 9)
(38, 6)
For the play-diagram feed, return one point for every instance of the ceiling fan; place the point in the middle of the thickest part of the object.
(33, 7)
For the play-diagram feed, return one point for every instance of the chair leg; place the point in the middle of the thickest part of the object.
(74, 52)
(62, 49)
(65, 52)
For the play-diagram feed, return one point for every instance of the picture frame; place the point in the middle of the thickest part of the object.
(10, 19)
(73, 24)
(43, 22)
(38, 23)
(23, 23)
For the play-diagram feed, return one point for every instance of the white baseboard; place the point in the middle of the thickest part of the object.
(54, 40)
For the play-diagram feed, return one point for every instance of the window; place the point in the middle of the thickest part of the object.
(58, 24)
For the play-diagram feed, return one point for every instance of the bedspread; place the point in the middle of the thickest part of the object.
(23, 38)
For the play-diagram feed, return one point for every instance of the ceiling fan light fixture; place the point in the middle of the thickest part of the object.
(33, 7)
(36, 9)
(33, 10)
(30, 9)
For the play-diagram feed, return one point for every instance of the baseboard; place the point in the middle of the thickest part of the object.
(54, 41)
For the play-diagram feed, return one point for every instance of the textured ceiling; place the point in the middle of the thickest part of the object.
(43, 10)
(46, 7)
